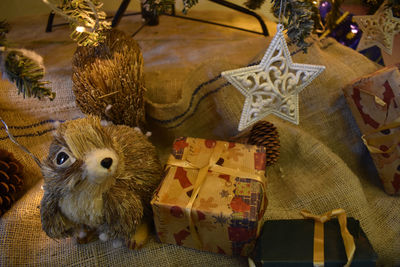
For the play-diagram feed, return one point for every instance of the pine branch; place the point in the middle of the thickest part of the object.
(396, 8)
(299, 16)
(27, 75)
(23, 68)
(161, 6)
(4, 29)
(86, 19)
(158, 6)
(187, 4)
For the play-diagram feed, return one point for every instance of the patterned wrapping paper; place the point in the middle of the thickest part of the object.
(375, 103)
(227, 212)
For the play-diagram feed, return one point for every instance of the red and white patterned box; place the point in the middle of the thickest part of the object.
(375, 103)
(225, 213)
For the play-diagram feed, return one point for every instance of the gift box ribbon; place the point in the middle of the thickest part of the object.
(219, 148)
(348, 240)
(373, 141)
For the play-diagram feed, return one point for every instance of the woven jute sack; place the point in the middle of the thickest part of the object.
(204, 104)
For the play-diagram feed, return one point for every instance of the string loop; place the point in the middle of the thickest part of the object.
(280, 10)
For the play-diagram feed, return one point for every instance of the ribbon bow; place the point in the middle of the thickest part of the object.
(375, 139)
(202, 174)
(348, 239)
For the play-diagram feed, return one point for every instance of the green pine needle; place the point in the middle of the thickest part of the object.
(299, 16)
(158, 6)
(27, 76)
(187, 4)
(4, 29)
(85, 14)
(162, 6)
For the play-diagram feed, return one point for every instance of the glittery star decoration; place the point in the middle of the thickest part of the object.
(378, 29)
(272, 86)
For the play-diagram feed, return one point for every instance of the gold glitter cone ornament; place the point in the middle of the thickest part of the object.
(378, 29)
(273, 86)
(108, 80)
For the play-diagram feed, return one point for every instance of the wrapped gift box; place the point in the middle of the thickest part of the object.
(375, 103)
(290, 243)
(212, 196)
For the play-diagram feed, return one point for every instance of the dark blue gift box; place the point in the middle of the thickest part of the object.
(290, 243)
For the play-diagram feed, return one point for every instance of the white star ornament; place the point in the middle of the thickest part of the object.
(272, 86)
(378, 29)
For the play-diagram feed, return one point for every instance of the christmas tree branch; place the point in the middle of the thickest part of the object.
(4, 29)
(59, 11)
(187, 4)
(157, 6)
(23, 68)
(298, 17)
(85, 17)
(27, 75)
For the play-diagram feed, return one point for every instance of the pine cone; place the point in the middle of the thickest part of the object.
(10, 180)
(265, 134)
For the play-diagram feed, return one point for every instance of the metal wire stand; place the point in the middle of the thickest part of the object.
(152, 19)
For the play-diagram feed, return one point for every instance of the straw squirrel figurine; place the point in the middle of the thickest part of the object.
(99, 179)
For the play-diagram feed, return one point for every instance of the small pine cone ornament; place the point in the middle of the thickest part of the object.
(265, 134)
(108, 79)
(10, 180)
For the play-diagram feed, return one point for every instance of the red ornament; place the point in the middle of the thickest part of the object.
(231, 145)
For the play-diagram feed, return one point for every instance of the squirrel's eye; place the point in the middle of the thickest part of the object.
(62, 157)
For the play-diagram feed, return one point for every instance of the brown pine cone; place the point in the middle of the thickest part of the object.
(265, 134)
(10, 180)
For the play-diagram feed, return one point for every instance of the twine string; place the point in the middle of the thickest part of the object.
(283, 3)
(18, 144)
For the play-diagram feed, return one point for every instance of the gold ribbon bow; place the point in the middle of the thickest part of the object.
(202, 174)
(348, 239)
(372, 140)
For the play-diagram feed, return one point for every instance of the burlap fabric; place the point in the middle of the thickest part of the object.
(323, 163)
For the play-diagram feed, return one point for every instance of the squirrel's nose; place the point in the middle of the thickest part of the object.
(106, 162)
